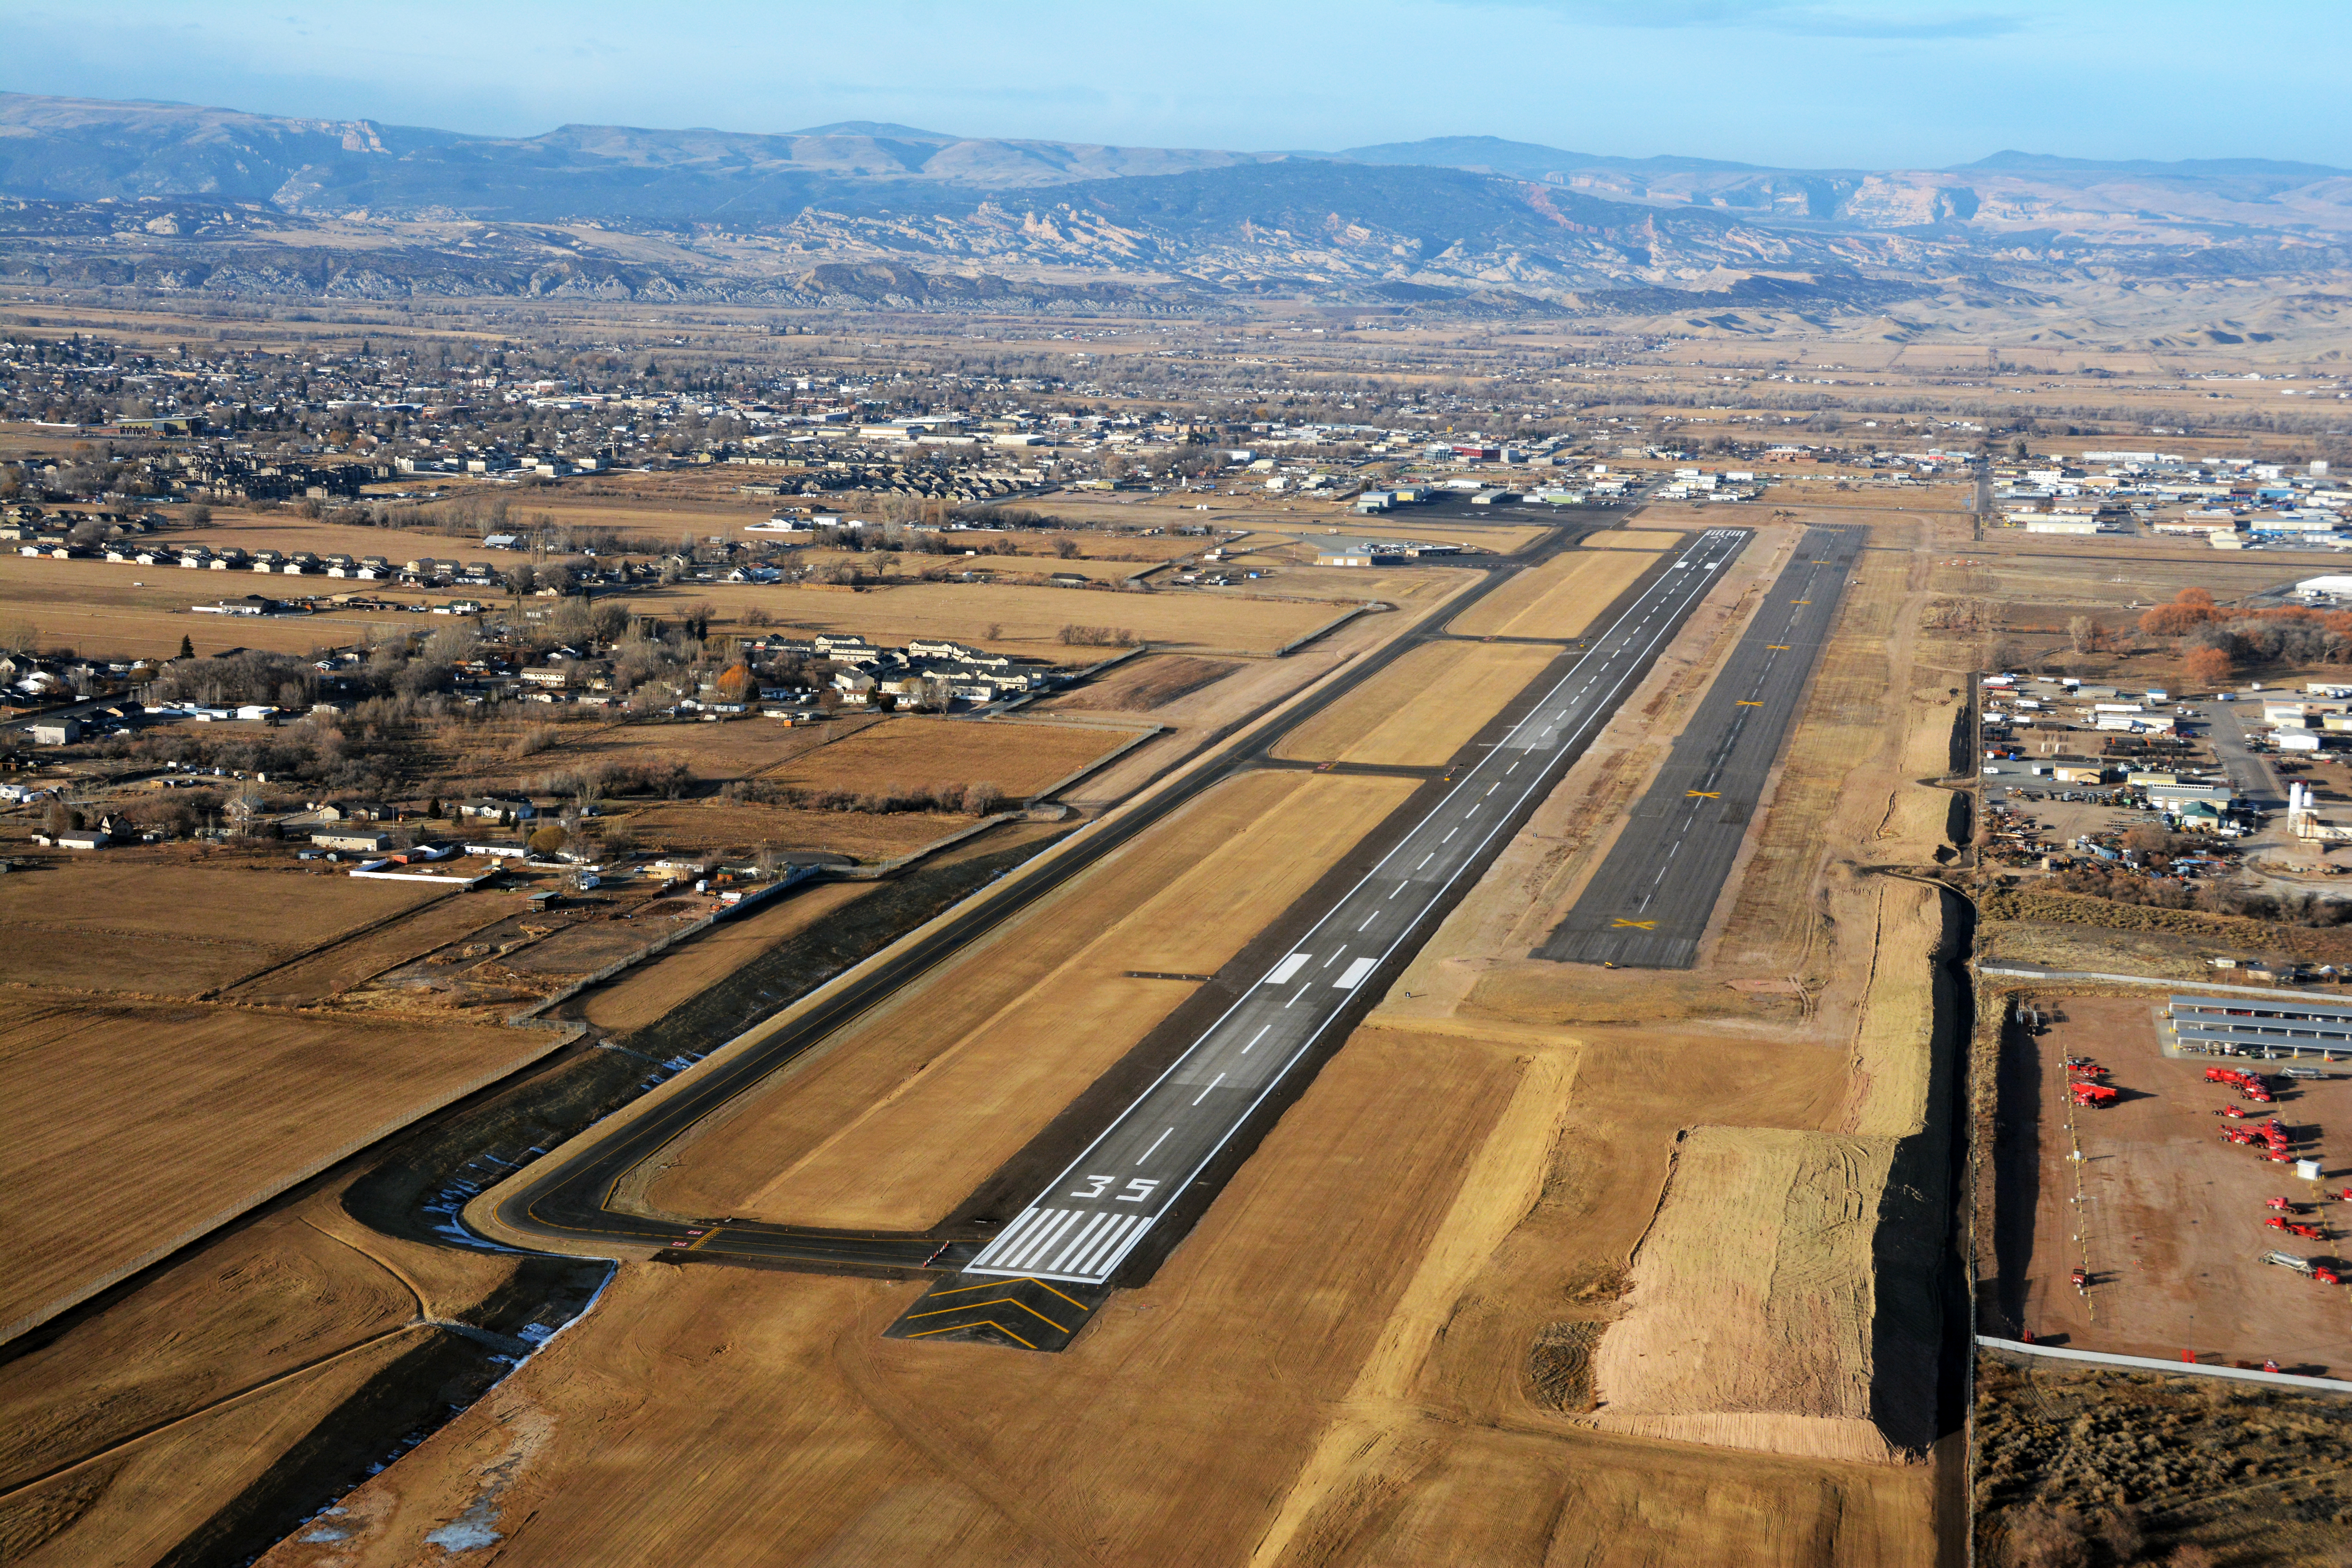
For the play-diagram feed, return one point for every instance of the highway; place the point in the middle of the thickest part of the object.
(1094, 1215)
(1649, 902)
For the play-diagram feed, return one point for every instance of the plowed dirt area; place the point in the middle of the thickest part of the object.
(892, 1123)
(156, 1121)
(1558, 600)
(161, 922)
(1421, 709)
(2168, 1219)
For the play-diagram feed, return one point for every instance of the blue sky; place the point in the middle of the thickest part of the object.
(1765, 81)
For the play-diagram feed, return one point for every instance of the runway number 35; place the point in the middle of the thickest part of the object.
(1137, 1190)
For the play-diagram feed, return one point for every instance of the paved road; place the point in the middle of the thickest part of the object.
(1094, 1215)
(1648, 904)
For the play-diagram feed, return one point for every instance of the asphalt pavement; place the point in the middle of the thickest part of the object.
(1649, 902)
(1096, 1213)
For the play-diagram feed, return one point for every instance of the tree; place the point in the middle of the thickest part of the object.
(549, 840)
(187, 648)
(2198, 596)
(735, 683)
(2208, 666)
(2085, 634)
(2174, 620)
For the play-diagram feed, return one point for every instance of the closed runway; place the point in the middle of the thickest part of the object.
(1095, 1214)
(1648, 904)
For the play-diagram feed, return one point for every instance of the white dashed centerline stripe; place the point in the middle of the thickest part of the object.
(1093, 1255)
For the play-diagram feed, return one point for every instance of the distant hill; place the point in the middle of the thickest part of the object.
(1528, 160)
(189, 196)
(2187, 169)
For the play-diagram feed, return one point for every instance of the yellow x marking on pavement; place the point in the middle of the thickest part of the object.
(1704, 794)
(1633, 925)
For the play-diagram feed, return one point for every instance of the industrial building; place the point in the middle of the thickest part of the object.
(2248, 1027)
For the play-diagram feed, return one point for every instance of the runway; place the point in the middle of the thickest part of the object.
(1094, 1215)
(1649, 903)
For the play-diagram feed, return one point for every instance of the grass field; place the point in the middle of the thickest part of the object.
(157, 1120)
(1422, 708)
(157, 922)
(893, 1122)
(1560, 599)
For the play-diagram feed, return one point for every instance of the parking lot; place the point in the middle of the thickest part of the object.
(2166, 1218)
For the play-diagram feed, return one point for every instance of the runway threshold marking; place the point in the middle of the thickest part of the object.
(983, 1323)
(1050, 1238)
(997, 1301)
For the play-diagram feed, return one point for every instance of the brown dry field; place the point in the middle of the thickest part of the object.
(1140, 685)
(1421, 709)
(718, 826)
(162, 922)
(1343, 586)
(1027, 620)
(2169, 1219)
(153, 1413)
(894, 1121)
(157, 1120)
(1502, 537)
(1560, 599)
(1198, 716)
(1659, 539)
(859, 753)
(287, 529)
(909, 753)
(93, 607)
(1333, 1368)
(734, 749)
(323, 975)
(641, 996)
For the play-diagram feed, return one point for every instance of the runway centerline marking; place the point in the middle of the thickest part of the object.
(1182, 1143)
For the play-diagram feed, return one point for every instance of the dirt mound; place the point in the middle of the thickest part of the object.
(1750, 1320)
